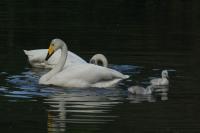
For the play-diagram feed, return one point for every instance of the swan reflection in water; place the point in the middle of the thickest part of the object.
(80, 109)
(76, 107)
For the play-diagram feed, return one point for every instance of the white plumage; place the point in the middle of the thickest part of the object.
(78, 75)
(37, 58)
(99, 59)
(161, 81)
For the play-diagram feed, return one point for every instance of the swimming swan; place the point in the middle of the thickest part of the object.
(78, 75)
(161, 81)
(37, 58)
(139, 90)
(99, 59)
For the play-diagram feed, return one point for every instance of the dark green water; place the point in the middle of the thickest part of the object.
(139, 37)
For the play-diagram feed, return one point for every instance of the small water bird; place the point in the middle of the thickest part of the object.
(161, 81)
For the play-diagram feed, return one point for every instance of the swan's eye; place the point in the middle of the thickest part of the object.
(92, 61)
(100, 63)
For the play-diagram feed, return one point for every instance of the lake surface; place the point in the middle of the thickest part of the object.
(139, 38)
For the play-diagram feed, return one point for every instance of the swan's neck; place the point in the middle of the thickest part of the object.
(57, 68)
(105, 62)
(99, 59)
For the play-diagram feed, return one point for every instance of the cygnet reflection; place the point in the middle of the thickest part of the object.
(139, 90)
(138, 94)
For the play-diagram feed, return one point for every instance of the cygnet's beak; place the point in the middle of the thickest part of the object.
(50, 52)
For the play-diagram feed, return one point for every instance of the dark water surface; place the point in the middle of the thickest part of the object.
(140, 38)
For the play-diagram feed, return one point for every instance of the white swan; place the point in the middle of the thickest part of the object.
(37, 58)
(139, 90)
(78, 75)
(161, 81)
(99, 59)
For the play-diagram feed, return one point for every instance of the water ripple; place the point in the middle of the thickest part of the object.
(70, 106)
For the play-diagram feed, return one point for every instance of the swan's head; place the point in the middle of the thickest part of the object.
(54, 45)
(99, 59)
(164, 74)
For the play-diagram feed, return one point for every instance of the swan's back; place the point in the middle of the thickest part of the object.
(87, 75)
(73, 58)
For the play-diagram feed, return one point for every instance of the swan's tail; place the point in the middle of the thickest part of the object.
(126, 76)
(26, 52)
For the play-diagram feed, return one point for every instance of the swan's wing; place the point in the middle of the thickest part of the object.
(71, 58)
(86, 75)
(38, 53)
(74, 58)
(37, 58)
(93, 73)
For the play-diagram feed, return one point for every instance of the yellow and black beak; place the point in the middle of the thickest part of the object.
(50, 52)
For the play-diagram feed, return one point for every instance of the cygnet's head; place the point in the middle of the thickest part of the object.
(164, 74)
(54, 46)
